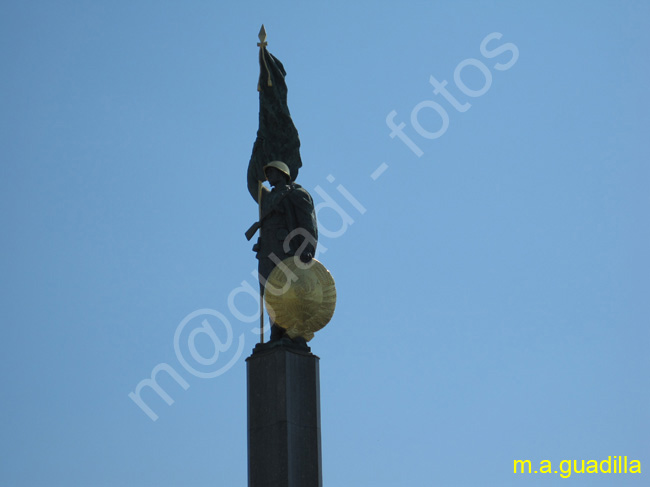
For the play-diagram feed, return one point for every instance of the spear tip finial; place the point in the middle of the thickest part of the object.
(262, 35)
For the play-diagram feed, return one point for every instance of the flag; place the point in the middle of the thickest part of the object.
(277, 137)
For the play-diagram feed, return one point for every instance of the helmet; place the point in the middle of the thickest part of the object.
(280, 166)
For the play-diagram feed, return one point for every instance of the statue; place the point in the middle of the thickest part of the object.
(288, 225)
(287, 220)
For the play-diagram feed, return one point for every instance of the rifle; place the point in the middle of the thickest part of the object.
(253, 228)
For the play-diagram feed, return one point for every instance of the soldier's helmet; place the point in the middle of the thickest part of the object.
(280, 166)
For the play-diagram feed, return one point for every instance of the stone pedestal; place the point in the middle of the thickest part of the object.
(284, 446)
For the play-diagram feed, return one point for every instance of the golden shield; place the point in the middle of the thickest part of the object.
(300, 297)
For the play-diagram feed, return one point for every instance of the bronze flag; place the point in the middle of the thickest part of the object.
(277, 137)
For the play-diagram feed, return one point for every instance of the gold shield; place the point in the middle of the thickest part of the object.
(300, 297)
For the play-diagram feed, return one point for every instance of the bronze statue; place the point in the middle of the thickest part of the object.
(287, 220)
(287, 224)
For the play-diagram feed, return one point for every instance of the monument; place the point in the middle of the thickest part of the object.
(283, 389)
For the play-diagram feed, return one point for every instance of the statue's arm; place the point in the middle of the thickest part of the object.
(253, 183)
(305, 215)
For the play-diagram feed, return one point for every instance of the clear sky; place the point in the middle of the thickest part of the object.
(491, 258)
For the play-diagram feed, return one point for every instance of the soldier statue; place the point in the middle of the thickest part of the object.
(287, 223)
(287, 219)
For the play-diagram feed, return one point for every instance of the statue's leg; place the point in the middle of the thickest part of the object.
(264, 270)
(277, 332)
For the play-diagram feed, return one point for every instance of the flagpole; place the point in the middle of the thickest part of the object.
(259, 204)
(262, 44)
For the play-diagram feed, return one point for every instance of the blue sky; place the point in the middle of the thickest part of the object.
(492, 296)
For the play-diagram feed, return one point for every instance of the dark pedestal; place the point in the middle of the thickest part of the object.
(283, 418)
